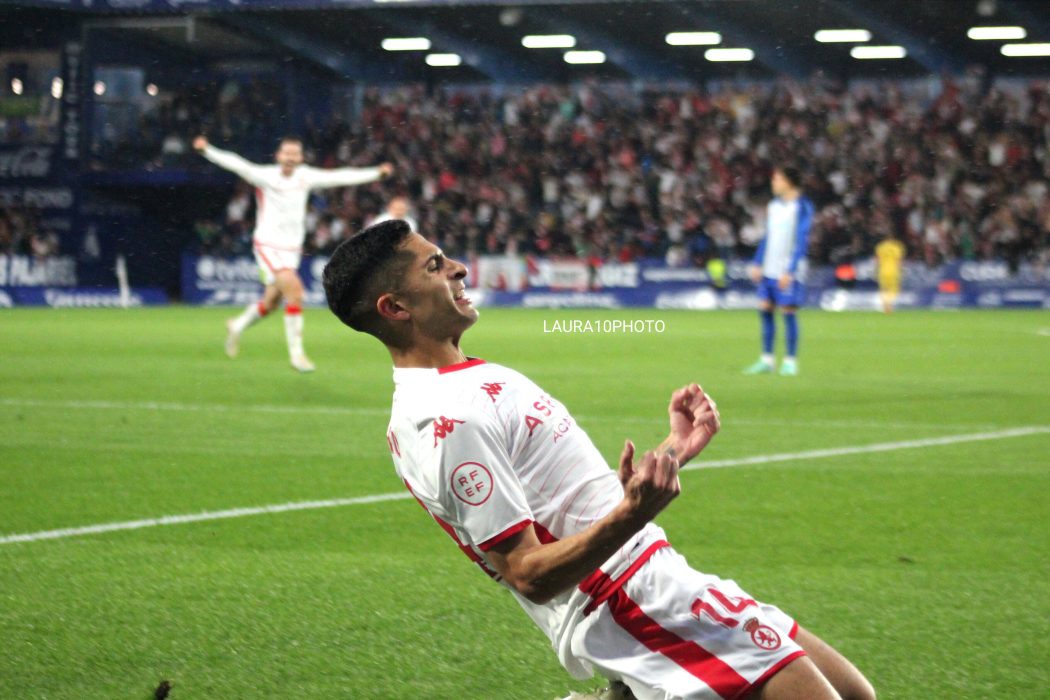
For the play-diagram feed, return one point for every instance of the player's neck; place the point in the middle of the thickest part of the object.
(791, 195)
(428, 354)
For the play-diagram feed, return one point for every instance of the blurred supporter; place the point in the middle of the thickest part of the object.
(22, 234)
(610, 172)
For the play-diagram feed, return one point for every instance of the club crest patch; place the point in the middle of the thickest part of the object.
(763, 636)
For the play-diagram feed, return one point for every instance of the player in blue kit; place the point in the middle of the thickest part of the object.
(778, 266)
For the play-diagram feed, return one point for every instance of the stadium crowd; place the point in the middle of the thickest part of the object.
(22, 234)
(612, 172)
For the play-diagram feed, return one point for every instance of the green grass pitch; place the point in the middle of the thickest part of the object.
(927, 566)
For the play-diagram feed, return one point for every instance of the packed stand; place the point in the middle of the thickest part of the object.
(21, 233)
(615, 173)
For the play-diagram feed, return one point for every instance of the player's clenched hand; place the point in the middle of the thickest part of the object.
(785, 281)
(756, 273)
(386, 169)
(649, 486)
(694, 421)
(200, 143)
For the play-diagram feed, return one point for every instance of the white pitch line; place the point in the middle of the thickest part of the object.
(877, 447)
(403, 495)
(200, 517)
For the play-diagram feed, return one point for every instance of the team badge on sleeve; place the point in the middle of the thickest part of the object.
(472, 483)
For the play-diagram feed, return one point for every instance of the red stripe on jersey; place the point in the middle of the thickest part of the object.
(470, 362)
(794, 629)
(600, 586)
(544, 534)
(692, 657)
(564, 476)
(776, 668)
(587, 505)
(509, 532)
(466, 549)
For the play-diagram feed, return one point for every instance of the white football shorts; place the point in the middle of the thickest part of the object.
(271, 259)
(674, 633)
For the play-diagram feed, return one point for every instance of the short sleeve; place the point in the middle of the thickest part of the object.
(477, 486)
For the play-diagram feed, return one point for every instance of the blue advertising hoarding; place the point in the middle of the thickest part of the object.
(653, 284)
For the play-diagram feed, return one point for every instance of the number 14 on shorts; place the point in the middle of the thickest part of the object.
(727, 610)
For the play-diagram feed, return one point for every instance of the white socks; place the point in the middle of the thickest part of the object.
(252, 313)
(293, 330)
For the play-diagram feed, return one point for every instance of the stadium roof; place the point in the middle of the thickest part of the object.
(346, 37)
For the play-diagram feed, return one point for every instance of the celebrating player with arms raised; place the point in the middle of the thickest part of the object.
(281, 192)
(508, 473)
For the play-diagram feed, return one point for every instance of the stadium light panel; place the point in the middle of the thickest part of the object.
(443, 60)
(876, 52)
(996, 33)
(548, 41)
(693, 38)
(582, 57)
(720, 55)
(56, 88)
(1025, 50)
(16, 86)
(406, 43)
(152, 90)
(100, 88)
(837, 36)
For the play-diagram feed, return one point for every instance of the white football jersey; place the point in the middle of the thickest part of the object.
(487, 453)
(787, 231)
(280, 216)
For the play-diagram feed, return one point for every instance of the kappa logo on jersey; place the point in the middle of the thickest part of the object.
(764, 636)
(472, 483)
(443, 426)
(493, 389)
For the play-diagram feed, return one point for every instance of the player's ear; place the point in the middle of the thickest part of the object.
(389, 307)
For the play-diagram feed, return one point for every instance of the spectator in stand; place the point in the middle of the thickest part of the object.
(557, 170)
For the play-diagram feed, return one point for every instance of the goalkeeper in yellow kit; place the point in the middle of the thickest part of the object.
(890, 255)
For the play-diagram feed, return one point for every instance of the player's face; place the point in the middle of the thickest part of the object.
(779, 184)
(289, 155)
(434, 291)
(398, 208)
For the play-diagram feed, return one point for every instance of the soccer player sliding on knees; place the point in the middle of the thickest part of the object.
(505, 469)
(281, 192)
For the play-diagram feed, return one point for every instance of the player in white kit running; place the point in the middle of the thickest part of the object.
(508, 473)
(281, 192)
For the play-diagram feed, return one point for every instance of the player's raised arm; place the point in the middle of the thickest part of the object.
(541, 571)
(346, 177)
(229, 161)
(694, 421)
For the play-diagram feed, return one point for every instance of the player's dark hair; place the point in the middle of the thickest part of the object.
(363, 268)
(791, 173)
(289, 138)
